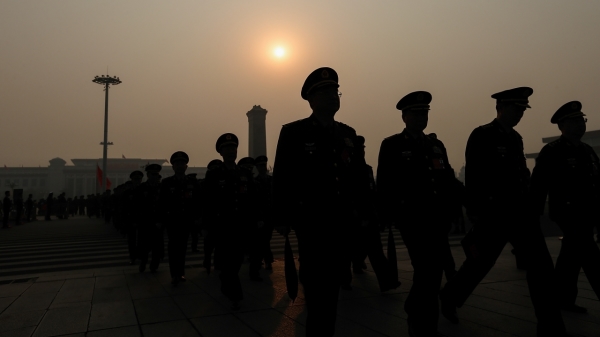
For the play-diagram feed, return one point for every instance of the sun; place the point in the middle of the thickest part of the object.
(279, 52)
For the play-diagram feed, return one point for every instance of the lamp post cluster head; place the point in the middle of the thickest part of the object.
(106, 80)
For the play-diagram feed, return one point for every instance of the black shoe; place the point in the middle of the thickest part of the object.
(391, 286)
(574, 308)
(448, 310)
(255, 278)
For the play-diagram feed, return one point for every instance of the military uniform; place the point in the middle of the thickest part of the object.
(146, 220)
(264, 189)
(418, 193)
(230, 209)
(496, 182)
(568, 174)
(315, 184)
(210, 232)
(178, 205)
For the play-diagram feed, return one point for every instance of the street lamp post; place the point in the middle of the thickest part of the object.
(107, 81)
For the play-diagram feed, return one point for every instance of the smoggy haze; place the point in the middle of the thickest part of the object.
(192, 69)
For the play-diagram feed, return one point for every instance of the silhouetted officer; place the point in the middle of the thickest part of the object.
(567, 171)
(229, 207)
(125, 208)
(264, 190)
(29, 211)
(315, 179)
(209, 232)
(146, 219)
(195, 229)
(6, 206)
(254, 243)
(418, 194)
(178, 208)
(49, 206)
(497, 197)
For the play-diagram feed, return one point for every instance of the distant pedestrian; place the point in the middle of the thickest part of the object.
(6, 207)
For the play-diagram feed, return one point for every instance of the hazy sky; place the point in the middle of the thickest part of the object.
(192, 69)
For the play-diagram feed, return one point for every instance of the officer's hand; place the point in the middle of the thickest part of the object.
(283, 230)
(260, 224)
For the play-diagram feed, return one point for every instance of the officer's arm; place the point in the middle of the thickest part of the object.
(284, 174)
(385, 181)
(540, 179)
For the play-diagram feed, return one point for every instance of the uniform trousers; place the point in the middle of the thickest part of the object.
(266, 236)
(231, 245)
(150, 240)
(256, 250)
(578, 250)
(378, 260)
(426, 243)
(490, 235)
(323, 257)
(178, 233)
(132, 242)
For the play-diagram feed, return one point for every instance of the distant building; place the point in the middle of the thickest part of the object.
(257, 132)
(591, 138)
(78, 179)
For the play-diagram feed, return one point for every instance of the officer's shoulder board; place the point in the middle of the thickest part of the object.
(345, 126)
(393, 137)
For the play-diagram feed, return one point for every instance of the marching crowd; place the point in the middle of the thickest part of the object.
(322, 189)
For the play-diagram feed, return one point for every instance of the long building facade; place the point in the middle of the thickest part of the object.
(80, 178)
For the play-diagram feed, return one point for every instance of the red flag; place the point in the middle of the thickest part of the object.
(99, 177)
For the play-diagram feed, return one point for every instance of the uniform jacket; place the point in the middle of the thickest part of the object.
(496, 175)
(415, 180)
(316, 173)
(568, 174)
(230, 198)
(144, 205)
(178, 201)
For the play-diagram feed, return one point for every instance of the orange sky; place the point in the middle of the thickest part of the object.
(192, 69)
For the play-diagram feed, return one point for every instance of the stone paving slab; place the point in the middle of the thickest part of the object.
(123, 302)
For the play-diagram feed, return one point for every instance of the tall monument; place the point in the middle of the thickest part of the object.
(257, 131)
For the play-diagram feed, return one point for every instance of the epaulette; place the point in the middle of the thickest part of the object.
(295, 123)
(393, 136)
(555, 142)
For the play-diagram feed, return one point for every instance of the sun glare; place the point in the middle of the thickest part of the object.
(279, 52)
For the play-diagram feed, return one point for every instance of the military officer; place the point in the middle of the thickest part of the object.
(417, 190)
(315, 178)
(208, 230)
(264, 188)
(125, 208)
(195, 229)
(230, 198)
(497, 198)
(178, 199)
(145, 217)
(567, 171)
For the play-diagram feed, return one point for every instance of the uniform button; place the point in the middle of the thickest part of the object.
(310, 152)
(568, 202)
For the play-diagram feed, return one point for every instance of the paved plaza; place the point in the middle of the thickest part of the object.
(72, 278)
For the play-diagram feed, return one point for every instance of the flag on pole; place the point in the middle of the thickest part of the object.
(99, 178)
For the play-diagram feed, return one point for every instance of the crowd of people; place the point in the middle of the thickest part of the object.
(322, 188)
